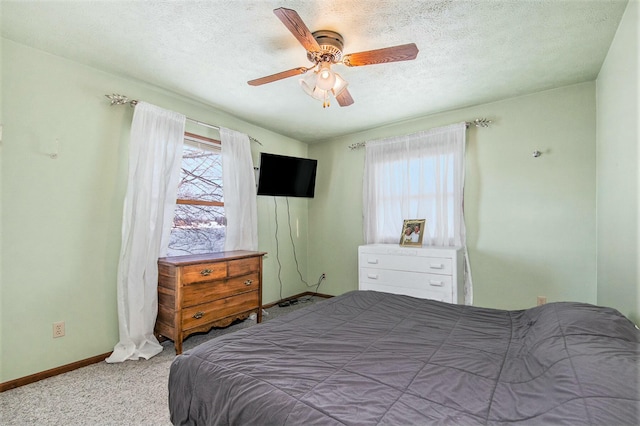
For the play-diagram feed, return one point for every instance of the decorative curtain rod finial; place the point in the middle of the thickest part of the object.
(357, 145)
(482, 122)
(479, 122)
(117, 99)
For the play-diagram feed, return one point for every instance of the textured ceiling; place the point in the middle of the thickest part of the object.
(471, 52)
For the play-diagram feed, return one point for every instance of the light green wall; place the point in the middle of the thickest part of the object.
(617, 169)
(61, 218)
(530, 221)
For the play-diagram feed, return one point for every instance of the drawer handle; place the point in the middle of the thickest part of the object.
(206, 272)
(372, 276)
(198, 315)
(372, 261)
(248, 282)
(436, 266)
(436, 283)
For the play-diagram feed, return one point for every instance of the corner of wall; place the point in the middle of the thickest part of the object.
(617, 177)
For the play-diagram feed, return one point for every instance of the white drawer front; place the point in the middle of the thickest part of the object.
(406, 279)
(423, 293)
(432, 265)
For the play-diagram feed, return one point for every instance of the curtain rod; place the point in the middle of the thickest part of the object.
(117, 99)
(478, 122)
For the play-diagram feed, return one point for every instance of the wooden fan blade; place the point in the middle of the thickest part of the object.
(294, 23)
(344, 98)
(279, 76)
(404, 52)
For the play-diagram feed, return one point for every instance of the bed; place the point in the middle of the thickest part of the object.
(375, 358)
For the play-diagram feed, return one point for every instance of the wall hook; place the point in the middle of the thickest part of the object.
(54, 155)
(536, 153)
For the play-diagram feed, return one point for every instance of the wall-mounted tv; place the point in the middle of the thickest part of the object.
(287, 176)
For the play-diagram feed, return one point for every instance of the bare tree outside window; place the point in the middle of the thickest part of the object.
(199, 223)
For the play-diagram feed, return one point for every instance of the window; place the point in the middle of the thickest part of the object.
(423, 185)
(418, 176)
(199, 223)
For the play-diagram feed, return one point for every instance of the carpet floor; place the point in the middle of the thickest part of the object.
(128, 393)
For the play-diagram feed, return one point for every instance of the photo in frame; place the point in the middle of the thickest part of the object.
(412, 232)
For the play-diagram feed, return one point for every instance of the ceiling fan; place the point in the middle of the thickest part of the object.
(324, 49)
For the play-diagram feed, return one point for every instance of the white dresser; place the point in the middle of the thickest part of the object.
(425, 272)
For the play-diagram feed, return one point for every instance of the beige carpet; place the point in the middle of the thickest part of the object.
(130, 393)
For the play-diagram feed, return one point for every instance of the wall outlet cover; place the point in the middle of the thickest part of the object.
(58, 329)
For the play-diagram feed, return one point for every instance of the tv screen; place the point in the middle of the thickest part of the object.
(287, 176)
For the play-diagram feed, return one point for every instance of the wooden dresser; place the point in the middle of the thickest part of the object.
(199, 292)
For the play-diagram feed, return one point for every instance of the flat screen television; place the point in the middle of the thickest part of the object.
(286, 176)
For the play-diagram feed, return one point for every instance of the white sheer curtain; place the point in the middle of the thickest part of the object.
(239, 183)
(155, 155)
(417, 176)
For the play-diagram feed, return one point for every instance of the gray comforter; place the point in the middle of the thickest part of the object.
(374, 358)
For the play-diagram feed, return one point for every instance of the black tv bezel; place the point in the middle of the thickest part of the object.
(285, 193)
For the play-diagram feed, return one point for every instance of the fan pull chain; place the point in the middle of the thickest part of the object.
(325, 103)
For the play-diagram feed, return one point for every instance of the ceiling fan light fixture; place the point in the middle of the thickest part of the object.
(325, 77)
(314, 86)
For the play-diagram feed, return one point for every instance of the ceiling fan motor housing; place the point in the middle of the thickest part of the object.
(331, 45)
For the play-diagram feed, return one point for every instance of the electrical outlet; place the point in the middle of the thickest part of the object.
(58, 329)
(542, 300)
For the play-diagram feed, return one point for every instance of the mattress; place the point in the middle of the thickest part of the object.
(368, 358)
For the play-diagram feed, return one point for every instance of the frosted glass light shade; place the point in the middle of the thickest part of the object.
(319, 94)
(308, 84)
(339, 85)
(326, 77)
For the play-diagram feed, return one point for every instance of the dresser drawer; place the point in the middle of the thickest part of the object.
(406, 279)
(196, 316)
(203, 272)
(243, 266)
(422, 293)
(433, 265)
(197, 293)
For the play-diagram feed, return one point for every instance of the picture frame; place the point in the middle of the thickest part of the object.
(412, 232)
